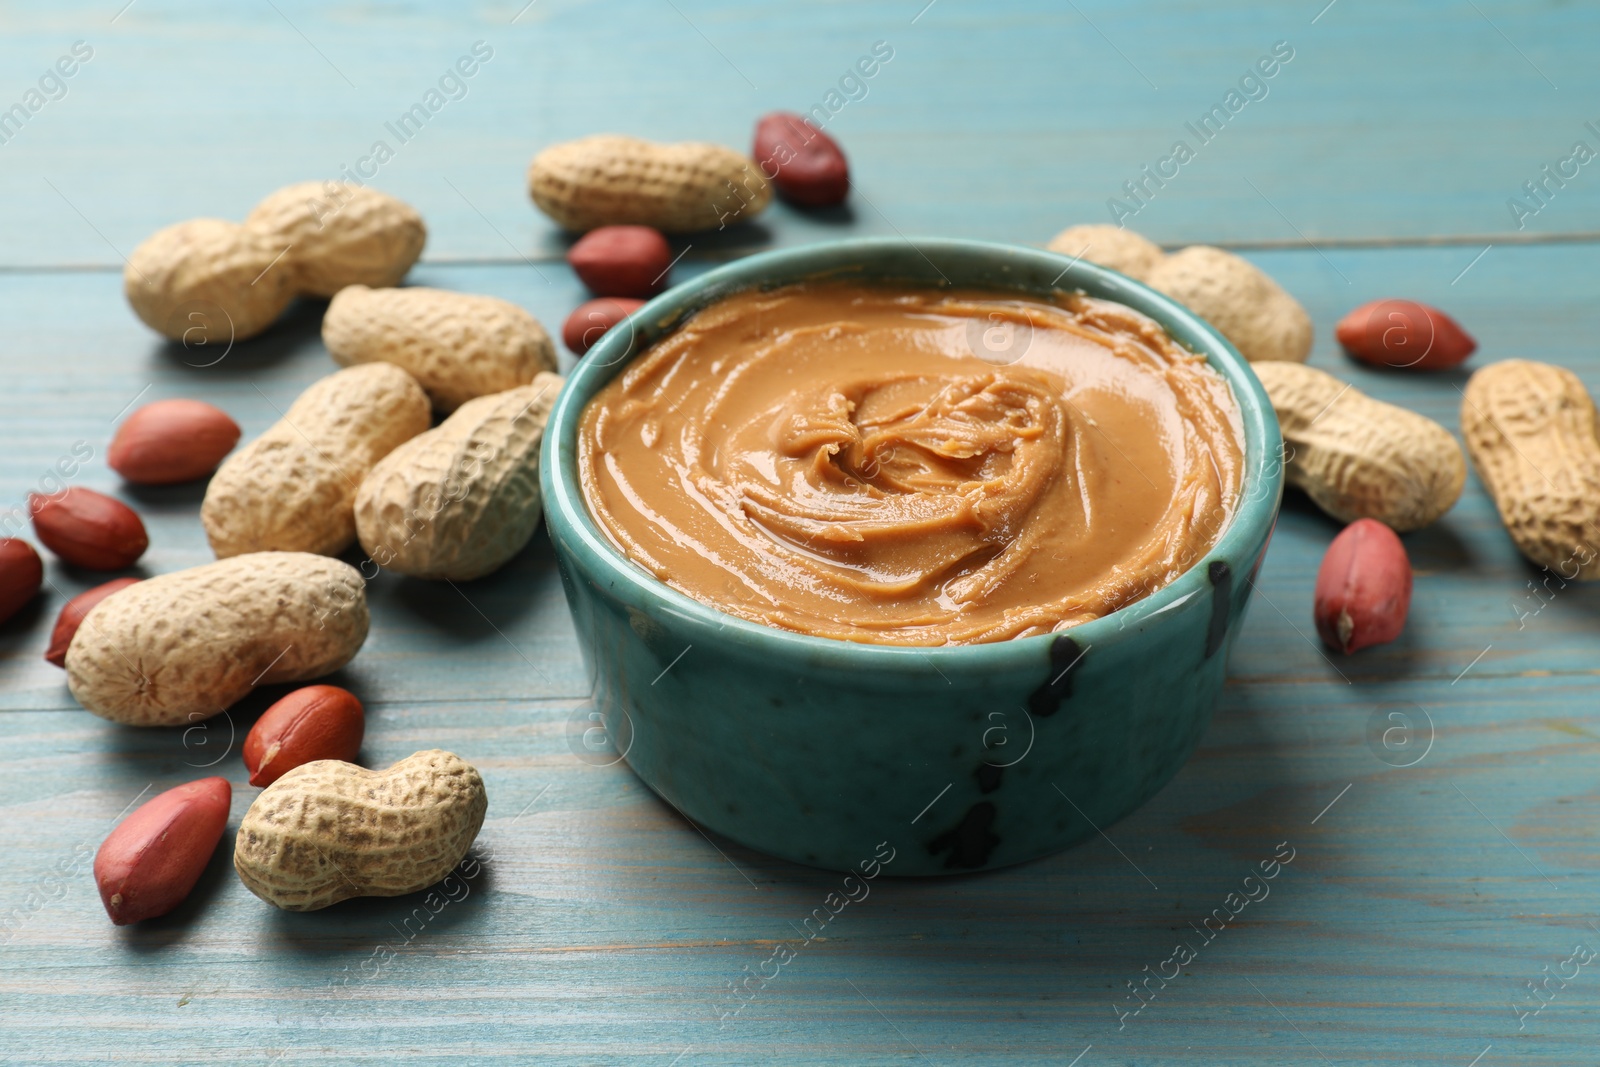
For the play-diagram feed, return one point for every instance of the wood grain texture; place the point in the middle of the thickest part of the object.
(1000, 121)
(604, 929)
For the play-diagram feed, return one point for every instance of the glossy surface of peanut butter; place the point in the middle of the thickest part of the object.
(913, 467)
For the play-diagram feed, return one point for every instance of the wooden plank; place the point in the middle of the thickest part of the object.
(1001, 121)
(605, 930)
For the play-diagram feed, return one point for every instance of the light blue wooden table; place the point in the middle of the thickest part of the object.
(1436, 871)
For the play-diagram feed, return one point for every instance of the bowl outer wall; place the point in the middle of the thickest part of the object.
(827, 752)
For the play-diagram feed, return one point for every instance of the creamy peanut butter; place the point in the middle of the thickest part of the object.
(913, 467)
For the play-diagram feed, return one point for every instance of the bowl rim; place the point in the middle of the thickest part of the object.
(573, 527)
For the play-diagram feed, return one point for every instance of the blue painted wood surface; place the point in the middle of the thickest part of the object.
(1421, 898)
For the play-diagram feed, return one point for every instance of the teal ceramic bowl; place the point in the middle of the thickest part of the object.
(950, 760)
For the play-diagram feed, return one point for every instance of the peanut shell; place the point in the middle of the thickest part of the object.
(181, 277)
(339, 234)
(460, 500)
(456, 345)
(609, 179)
(1109, 246)
(327, 830)
(207, 281)
(1235, 296)
(293, 489)
(182, 647)
(1357, 457)
(1535, 442)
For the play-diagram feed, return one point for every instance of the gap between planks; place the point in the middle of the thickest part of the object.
(1289, 244)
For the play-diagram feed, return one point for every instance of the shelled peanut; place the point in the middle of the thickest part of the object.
(806, 166)
(317, 722)
(1404, 335)
(626, 261)
(593, 319)
(171, 441)
(89, 529)
(21, 575)
(1363, 591)
(150, 863)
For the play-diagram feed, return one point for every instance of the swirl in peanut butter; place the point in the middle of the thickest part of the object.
(855, 462)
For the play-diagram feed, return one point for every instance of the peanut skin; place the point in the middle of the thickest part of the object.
(627, 261)
(171, 441)
(72, 615)
(1404, 335)
(317, 722)
(149, 864)
(1363, 591)
(806, 166)
(21, 575)
(592, 320)
(89, 529)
